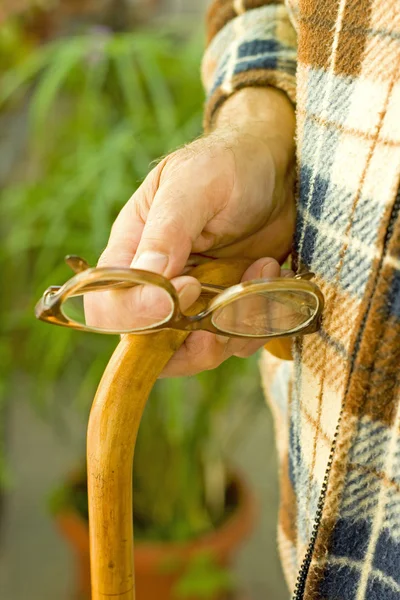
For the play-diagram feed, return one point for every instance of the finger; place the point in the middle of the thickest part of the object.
(278, 316)
(161, 221)
(201, 351)
(263, 268)
(125, 233)
(287, 273)
(189, 290)
(248, 314)
(193, 190)
(251, 347)
(137, 307)
(173, 223)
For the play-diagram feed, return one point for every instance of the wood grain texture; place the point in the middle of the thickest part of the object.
(113, 426)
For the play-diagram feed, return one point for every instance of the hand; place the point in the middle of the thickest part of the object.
(227, 194)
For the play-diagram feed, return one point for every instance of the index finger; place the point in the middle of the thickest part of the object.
(156, 229)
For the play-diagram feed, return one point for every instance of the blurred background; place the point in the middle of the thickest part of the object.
(91, 92)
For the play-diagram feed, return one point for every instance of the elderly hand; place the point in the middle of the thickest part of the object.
(227, 194)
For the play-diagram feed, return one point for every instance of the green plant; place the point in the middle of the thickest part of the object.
(191, 426)
(182, 457)
(101, 107)
(204, 579)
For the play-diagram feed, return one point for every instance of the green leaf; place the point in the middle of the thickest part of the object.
(16, 79)
(100, 125)
(160, 94)
(203, 579)
(51, 83)
(174, 394)
(170, 564)
(130, 86)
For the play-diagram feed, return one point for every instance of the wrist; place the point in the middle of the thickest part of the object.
(265, 114)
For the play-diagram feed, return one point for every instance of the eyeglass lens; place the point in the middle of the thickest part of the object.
(265, 313)
(134, 308)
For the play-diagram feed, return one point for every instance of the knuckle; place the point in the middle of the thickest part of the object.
(104, 258)
(161, 224)
(168, 230)
(116, 255)
(248, 349)
(202, 353)
(244, 354)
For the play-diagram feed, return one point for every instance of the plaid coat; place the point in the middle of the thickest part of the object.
(337, 405)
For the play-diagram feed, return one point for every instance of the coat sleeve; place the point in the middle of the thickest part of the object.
(249, 43)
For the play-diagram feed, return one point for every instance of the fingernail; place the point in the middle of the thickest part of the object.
(269, 270)
(287, 273)
(151, 261)
(188, 295)
(222, 339)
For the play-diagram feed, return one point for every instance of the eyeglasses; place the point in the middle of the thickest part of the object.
(261, 308)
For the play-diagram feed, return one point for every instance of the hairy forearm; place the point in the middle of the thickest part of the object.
(266, 113)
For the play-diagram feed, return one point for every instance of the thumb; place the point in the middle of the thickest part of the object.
(173, 222)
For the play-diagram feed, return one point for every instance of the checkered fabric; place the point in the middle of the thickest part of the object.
(346, 85)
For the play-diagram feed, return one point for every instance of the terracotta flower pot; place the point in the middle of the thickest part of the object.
(155, 580)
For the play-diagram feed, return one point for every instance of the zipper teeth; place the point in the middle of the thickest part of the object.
(299, 589)
(305, 565)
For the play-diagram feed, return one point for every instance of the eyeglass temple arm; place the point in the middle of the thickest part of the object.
(208, 287)
(76, 263)
(79, 264)
(307, 275)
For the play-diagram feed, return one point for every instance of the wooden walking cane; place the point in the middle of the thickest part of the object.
(113, 426)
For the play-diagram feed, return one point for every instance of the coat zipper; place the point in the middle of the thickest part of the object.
(299, 589)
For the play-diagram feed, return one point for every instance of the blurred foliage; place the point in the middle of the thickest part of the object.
(191, 426)
(99, 108)
(182, 459)
(204, 579)
(13, 46)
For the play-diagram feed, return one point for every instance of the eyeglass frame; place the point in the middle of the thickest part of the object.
(49, 307)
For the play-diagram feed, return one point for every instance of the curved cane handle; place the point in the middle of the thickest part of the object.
(113, 425)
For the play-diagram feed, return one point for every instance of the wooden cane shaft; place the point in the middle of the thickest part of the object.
(113, 426)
